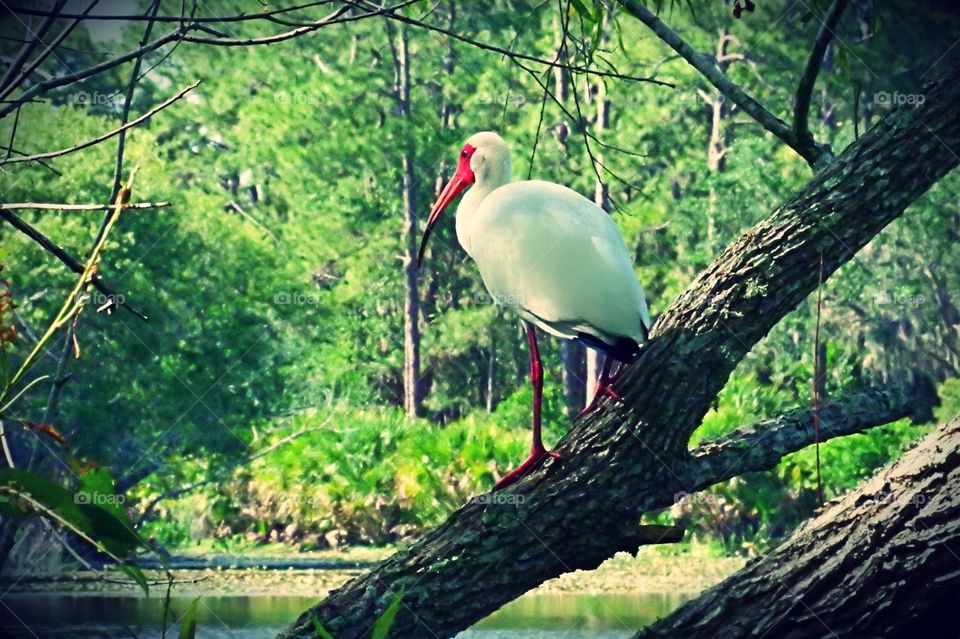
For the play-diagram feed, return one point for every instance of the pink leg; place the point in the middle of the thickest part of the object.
(605, 382)
(537, 450)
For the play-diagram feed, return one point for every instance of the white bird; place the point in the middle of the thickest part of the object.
(552, 256)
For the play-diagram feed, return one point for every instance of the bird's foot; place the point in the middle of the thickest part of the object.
(536, 456)
(603, 390)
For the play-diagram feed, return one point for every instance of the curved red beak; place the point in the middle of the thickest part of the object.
(461, 179)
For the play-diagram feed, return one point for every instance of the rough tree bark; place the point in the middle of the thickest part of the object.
(882, 561)
(623, 461)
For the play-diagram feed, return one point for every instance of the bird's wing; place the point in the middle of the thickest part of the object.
(547, 250)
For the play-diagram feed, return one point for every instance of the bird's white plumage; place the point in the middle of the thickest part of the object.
(549, 253)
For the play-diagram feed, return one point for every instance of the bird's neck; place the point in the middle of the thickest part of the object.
(491, 174)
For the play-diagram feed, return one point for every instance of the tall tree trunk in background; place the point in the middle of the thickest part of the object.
(879, 562)
(717, 148)
(601, 195)
(412, 395)
(571, 353)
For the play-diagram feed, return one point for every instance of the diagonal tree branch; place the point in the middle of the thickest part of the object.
(761, 447)
(801, 104)
(628, 460)
(57, 251)
(83, 74)
(706, 65)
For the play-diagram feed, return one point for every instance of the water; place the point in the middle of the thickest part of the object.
(546, 616)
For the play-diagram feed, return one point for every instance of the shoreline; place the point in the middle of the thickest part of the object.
(623, 574)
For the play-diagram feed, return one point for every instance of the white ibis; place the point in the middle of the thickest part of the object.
(552, 256)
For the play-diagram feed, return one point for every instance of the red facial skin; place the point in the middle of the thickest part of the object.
(461, 179)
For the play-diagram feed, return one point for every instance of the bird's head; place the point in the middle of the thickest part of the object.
(484, 158)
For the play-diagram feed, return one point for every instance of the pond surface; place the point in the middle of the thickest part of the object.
(547, 616)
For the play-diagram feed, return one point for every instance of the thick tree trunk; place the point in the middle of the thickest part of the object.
(623, 461)
(881, 561)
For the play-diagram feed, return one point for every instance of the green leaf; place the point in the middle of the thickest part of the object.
(188, 622)
(381, 629)
(23, 493)
(319, 629)
(98, 488)
(137, 575)
(582, 10)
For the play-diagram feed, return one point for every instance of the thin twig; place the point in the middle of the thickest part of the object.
(178, 35)
(105, 136)
(25, 73)
(78, 76)
(286, 35)
(236, 207)
(74, 301)
(6, 448)
(125, 114)
(13, 132)
(51, 247)
(513, 55)
(50, 206)
(27, 49)
(32, 11)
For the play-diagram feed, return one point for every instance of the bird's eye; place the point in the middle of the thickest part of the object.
(463, 153)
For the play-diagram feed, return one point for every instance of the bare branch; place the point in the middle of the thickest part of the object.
(33, 11)
(181, 35)
(708, 68)
(50, 206)
(105, 136)
(23, 75)
(28, 48)
(801, 105)
(125, 114)
(286, 35)
(761, 447)
(54, 249)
